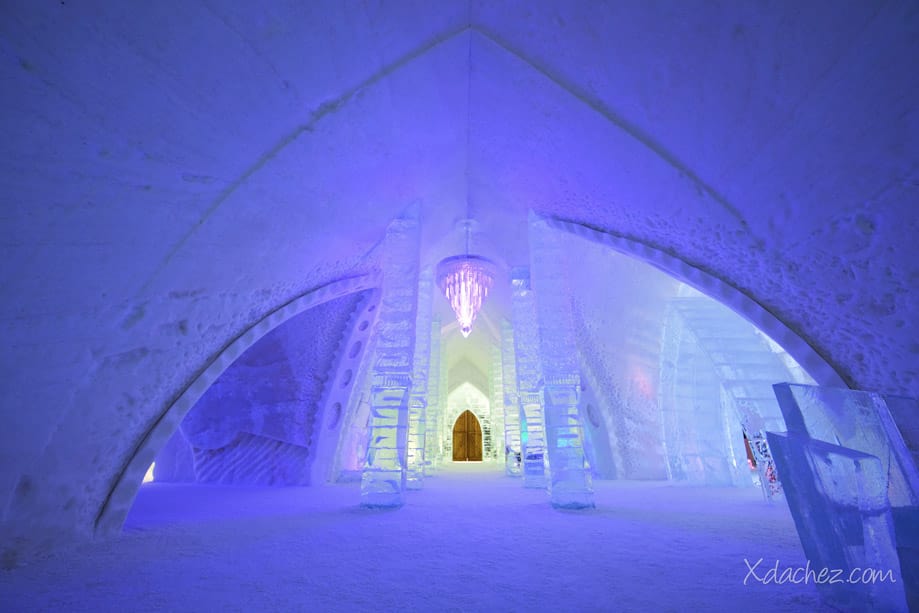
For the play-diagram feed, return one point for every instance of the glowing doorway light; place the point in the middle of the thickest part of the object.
(465, 281)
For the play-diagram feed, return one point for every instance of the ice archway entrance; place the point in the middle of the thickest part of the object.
(468, 409)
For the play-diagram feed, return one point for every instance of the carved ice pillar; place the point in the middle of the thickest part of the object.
(569, 474)
(444, 432)
(510, 402)
(383, 476)
(529, 393)
(435, 406)
(497, 403)
(418, 400)
(445, 429)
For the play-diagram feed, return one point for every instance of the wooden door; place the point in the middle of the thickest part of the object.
(467, 438)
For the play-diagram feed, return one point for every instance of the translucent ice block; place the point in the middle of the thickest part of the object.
(838, 500)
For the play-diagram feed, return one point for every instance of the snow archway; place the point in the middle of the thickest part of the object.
(118, 503)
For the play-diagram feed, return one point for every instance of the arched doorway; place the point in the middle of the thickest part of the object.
(467, 438)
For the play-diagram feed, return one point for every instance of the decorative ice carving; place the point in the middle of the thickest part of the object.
(383, 477)
(569, 474)
(529, 377)
(856, 422)
(838, 498)
(465, 281)
(708, 352)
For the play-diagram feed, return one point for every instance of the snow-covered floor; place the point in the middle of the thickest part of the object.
(472, 540)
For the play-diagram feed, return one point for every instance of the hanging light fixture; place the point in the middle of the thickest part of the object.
(466, 280)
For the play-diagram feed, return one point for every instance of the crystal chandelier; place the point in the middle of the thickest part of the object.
(465, 281)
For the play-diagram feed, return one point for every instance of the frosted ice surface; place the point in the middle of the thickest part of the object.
(904, 411)
(865, 421)
(855, 420)
(838, 499)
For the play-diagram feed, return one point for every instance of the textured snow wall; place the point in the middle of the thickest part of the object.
(257, 423)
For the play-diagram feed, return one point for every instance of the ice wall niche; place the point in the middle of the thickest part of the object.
(257, 423)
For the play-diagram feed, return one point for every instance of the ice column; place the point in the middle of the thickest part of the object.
(496, 409)
(435, 406)
(419, 397)
(526, 350)
(383, 476)
(510, 402)
(443, 429)
(569, 474)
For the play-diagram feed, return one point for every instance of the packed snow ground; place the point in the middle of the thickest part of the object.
(472, 540)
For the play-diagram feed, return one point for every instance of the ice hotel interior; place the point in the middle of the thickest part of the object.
(459, 305)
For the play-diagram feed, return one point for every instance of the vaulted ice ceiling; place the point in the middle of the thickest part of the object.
(175, 171)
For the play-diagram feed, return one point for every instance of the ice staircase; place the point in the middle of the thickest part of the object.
(746, 364)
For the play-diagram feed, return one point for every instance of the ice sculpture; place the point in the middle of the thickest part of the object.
(709, 352)
(857, 420)
(383, 476)
(838, 498)
(418, 399)
(435, 405)
(569, 474)
(512, 449)
(529, 376)
(861, 422)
